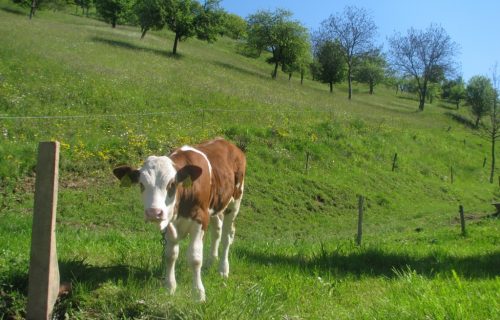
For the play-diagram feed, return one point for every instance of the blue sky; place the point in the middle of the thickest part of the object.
(473, 25)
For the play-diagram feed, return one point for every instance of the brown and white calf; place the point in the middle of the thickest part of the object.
(184, 192)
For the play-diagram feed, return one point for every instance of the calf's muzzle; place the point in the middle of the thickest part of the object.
(153, 214)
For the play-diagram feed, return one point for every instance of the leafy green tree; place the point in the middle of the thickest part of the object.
(297, 58)
(457, 93)
(278, 33)
(209, 20)
(149, 15)
(480, 96)
(84, 5)
(424, 55)
(371, 69)
(354, 31)
(433, 91)
(112, 10)
(179, 17)
(331, 62)
(233, 26)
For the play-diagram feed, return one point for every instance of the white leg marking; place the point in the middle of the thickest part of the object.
(228, 231)
(172, 253)
(195, 259)
(215, 231)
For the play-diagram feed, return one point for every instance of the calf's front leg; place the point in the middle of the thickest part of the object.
(171, 255)
(195, 259)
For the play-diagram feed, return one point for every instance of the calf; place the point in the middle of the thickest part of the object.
(184, 192)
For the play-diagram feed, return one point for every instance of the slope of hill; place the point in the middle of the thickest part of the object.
(111, 98)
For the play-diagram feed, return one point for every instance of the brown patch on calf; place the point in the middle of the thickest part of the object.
(228, 170)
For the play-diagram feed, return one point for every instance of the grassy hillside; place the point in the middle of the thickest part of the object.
(110, 98)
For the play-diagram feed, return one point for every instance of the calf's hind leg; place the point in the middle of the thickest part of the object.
(228, 231)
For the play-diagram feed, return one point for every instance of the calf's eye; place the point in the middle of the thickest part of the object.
(171, 189)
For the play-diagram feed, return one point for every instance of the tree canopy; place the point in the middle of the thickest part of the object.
(424, 55)
(371, 69)
(112, 10)
(330, 61)
(480, 96)
(354, 31)
(277, 33)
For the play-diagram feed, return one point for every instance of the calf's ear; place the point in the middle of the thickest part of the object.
(127, 175)
(187, 175)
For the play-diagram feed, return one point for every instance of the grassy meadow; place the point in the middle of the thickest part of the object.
(111, 98)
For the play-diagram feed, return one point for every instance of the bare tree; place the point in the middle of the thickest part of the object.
(423, 55)
(493, 131)
(354, 30)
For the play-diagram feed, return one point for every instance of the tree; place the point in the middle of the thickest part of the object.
(493, 132)
(354, 31)
(233, 26)
(423, 55)
(149, 15)
(371, 69)
(457, 92)
(208, 20)
(179, 17)
(277, 33)
(331, 62)
(480, 95)
(112, 10)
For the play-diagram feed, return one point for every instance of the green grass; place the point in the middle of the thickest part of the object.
(294, 256)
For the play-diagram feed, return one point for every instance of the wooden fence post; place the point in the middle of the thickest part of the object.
(360, 220)
(307, 162)
(394, 161)
(462, 219)
(44, 270)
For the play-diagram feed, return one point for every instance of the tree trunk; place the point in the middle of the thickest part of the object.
(493, 140)
(302, 77)
(289, 76)
(477, 121)
(331, 87)
(176, 40)
(143, 34)
(275, 72)
(33, 8)
(423, 94)
(371, 86)
(421, 103)
(349, 80)
(458, 103)
(113, 23)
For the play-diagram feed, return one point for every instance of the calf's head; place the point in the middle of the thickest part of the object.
(158, 179)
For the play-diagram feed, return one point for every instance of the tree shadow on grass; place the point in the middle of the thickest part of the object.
(374, 262)
(131, 46)
(15, 11)
(461, 119)
(241, 70)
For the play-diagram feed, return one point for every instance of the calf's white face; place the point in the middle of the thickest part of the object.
(158, 179)
(158, 185)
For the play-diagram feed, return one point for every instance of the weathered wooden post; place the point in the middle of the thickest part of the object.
(44, 270)
(394, 161)
(360, 220)
(307, 162)
(462, 219)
